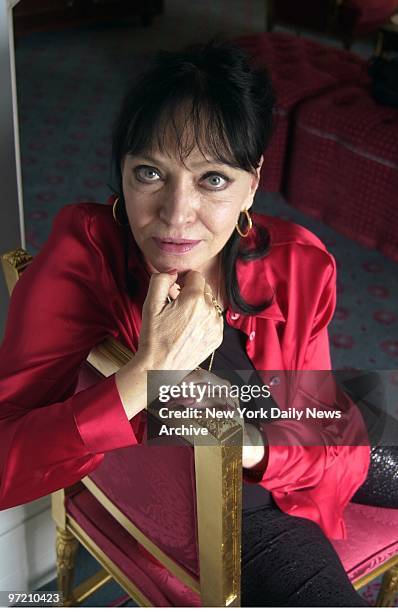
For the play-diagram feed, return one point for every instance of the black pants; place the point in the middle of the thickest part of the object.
(288, 561)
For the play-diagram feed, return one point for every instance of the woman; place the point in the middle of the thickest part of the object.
(178, 246)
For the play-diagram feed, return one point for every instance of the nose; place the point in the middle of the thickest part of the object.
(178, 204)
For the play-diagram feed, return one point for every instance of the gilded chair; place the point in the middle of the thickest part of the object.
(180, 545)
(164, 522)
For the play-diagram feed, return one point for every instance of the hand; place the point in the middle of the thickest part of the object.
(253, 445)
(176, 336)
(181, 334)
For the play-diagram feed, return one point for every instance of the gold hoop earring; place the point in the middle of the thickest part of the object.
(249, 224)
(114, 213)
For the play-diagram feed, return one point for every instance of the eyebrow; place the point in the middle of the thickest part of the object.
(153, 160)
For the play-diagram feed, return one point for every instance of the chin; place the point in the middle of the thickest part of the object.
(162, 264)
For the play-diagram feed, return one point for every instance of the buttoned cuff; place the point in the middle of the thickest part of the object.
(101, 419)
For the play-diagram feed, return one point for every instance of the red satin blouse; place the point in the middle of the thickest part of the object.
(72, 297)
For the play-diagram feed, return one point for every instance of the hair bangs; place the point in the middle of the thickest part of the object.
(174, 127)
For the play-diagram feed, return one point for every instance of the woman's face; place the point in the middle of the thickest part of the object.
(169, 202)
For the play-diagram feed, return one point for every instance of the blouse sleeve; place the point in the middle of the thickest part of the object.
(51, 438)
(314, 468)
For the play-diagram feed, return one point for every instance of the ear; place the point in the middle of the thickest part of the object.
(254, 184)
(256, 176)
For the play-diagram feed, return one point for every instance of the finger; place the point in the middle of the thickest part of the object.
(193, 281)
(158, 290)
(174, 291)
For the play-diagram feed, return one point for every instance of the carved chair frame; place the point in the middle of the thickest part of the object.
(218, 471)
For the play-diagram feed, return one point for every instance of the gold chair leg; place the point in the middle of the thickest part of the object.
(66, 547)
(388, 588)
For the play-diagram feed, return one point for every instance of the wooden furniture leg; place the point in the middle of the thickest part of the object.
(388, 588)
(66, 547)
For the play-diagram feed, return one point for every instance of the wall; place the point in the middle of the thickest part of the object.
(27, 546)
(27, 534)
(11, 211)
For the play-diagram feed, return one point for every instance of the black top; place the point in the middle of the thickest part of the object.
(228, 358)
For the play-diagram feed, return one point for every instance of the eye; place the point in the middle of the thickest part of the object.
(146, 174)
(216, 181)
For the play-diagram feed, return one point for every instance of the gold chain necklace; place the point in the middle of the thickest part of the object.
(217, 307)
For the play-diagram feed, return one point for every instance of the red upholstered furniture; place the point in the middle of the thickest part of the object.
(344, 166)
(162, 588)
(300, 69)
(165, 522)
(373, 540)
(359, 17)
(169, 491)
(311, 14)
(145, 513)
(346, 19)
(334, 151)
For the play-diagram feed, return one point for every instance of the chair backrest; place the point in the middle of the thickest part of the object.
(165, 480)
(183, 503)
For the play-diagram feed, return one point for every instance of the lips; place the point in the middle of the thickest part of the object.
(177, 245)
(178, 240)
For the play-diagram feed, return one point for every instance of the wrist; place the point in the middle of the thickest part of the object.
(254, 451)
(252, 456)
(151, 359)
(143, 361)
